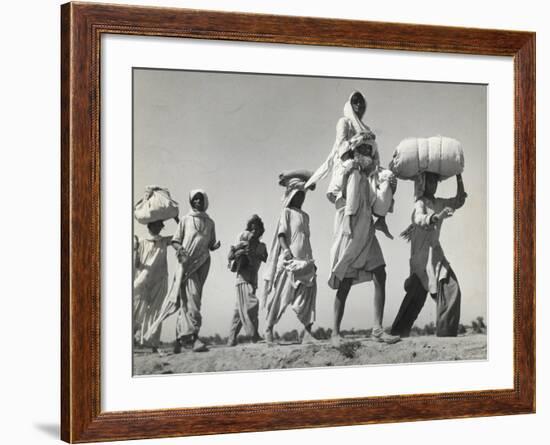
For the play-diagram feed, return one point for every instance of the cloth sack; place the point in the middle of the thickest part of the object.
(286, 176)
(156, 205)
(237, 257)
(302, 271)
(437, 154)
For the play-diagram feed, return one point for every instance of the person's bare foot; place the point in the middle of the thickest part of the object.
(199, 346)
(158, 351)
(381, 337)
(308, 338)
(256, 338)
(381, 225)
(336, 339)
(269, 336)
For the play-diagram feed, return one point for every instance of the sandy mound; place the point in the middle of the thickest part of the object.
(355, 351)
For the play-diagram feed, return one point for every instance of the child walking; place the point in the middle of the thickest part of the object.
(431, 272)
(291, 273)
(245, 259)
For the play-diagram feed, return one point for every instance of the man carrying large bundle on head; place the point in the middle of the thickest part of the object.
(428, 161)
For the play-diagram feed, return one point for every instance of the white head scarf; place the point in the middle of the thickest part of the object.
(359, 127)
(192, 195)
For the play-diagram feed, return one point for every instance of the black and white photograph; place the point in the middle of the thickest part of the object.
(284, 221)
(275, 222)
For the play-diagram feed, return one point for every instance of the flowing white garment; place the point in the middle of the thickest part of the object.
(196, 234)
(346, 128)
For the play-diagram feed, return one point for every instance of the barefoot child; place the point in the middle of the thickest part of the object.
(430, 270)
(245, 259)
(291, 273)
(150, 283)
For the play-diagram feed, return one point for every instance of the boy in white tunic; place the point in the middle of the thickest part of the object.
(291, 273)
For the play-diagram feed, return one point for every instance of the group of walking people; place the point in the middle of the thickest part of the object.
(361, 192)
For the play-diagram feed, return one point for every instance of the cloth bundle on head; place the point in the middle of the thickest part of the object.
(438, 154)
(289, 175)
(155, 205)
(294, 181)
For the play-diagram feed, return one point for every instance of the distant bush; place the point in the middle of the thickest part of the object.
(291, 336)
(322, 334)
(479, 326)
(429, 329)
(481, 322)
(357, 332)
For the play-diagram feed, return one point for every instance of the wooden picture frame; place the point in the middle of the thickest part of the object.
(82, 26)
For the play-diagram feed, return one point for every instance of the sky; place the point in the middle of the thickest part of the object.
(233, 133)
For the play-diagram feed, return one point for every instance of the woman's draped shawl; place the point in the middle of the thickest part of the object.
(183, 270)
(337, 150)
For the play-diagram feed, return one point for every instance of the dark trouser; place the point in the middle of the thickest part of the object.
(448, 306)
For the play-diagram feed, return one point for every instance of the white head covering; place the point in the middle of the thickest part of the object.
(192, 195)
(359, 127)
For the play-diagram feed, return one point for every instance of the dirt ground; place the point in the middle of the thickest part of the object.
(355, 351)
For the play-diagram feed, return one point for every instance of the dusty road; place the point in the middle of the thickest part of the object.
(356, 351)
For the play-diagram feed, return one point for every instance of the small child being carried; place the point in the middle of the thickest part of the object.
(361, 157)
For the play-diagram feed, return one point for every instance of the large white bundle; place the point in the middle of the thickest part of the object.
(156, 205)
(438, 154)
